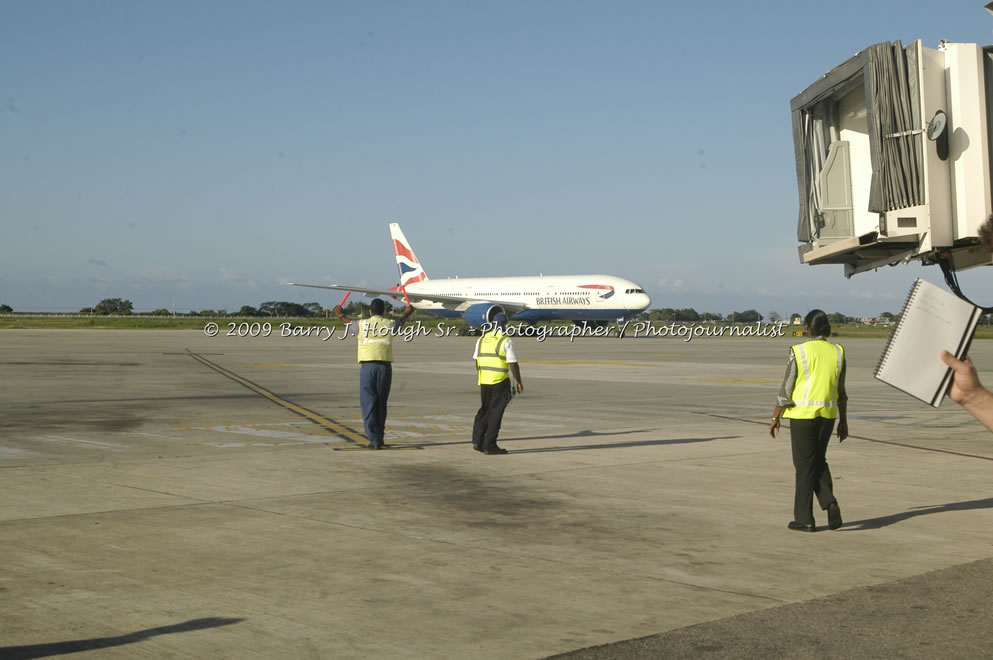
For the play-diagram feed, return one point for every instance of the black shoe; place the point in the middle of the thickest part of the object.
(478, 448)
(834, 515)
(374, 445)
(800, 527)
(495, 451)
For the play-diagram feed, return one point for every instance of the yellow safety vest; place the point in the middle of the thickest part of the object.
(491, 361)
(818, 367)
(375, 339)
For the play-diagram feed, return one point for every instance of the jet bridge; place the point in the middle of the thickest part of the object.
(893, 157)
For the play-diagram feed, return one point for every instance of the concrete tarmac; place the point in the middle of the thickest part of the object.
(168, 494)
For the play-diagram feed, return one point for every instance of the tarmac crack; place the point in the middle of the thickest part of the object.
(104, 512)
(864, 438)
(161, 492)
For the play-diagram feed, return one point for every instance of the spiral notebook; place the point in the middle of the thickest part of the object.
(933, 319)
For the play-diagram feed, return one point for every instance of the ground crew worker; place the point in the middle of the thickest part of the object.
(812, 397)
(495, 361)
(375, 355)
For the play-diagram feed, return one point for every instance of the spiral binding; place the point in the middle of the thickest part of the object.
(896, 330)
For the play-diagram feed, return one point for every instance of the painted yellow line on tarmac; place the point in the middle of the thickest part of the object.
(325, 423)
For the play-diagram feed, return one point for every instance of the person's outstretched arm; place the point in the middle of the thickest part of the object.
(967, 391)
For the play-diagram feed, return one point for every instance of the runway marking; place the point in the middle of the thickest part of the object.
(860, 437)
(155, 435)
(13, 453)
(60, 438)
(277, 438)
(756, 381)
(326, 423)
(594, 362)
(187, 353)
(274, 434)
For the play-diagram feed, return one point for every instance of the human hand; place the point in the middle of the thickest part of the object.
(965, 380)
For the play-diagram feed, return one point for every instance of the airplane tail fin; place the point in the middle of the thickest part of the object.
(410, 267)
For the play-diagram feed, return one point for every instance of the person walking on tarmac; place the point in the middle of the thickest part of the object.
(812, 397)
(375, 354)
(495, 360)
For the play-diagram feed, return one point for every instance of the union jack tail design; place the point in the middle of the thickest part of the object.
(410, 267)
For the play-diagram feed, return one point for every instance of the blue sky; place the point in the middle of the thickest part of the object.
(198, 154)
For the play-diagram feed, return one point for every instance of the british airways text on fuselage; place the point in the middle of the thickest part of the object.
(559, 301)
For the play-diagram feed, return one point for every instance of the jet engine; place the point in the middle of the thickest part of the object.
(482, 313)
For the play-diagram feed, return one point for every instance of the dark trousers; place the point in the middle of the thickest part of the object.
(375, 379)
(809, 438)
(493, 401)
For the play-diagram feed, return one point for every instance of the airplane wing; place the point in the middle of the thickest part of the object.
(392, 293)
(449, 301)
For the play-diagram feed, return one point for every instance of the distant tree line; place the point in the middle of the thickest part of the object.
(110, 306)
(690, 315)
(357, 309)
(272, 308)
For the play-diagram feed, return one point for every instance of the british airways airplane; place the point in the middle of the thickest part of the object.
(592, 299)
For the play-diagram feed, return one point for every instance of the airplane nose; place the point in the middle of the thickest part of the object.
(638, 301)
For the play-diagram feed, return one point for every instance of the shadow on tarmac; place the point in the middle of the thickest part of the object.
(588, 433)
(617, 445)
(75, 646)
(581, 434)
(884, 521)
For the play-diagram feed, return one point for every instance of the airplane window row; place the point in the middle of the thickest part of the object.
(537, 293)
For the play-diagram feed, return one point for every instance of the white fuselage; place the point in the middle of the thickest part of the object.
(569, 297)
